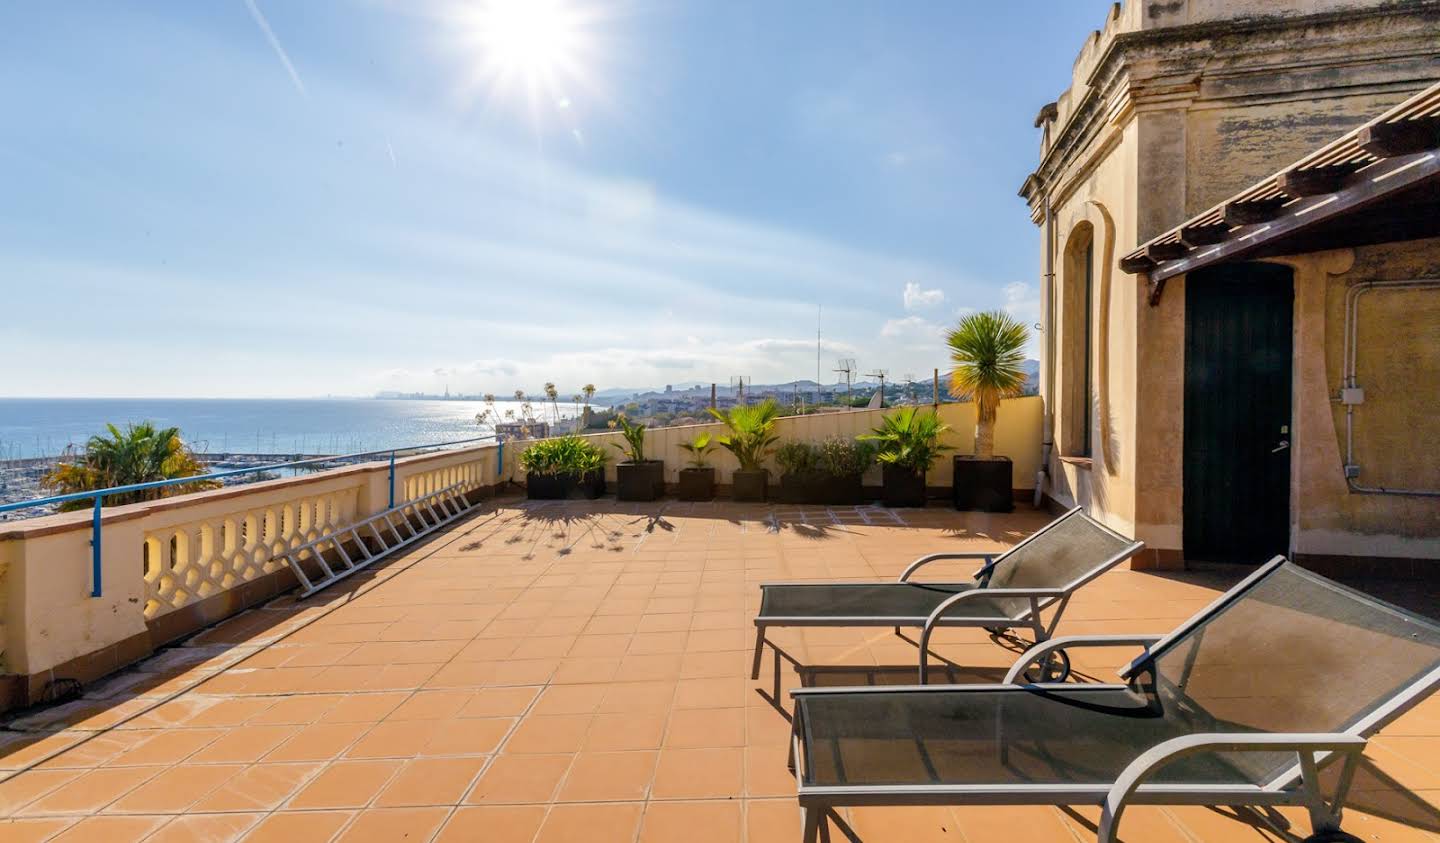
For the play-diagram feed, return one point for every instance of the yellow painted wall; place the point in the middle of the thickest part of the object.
(1017, 436)
(1398, 425)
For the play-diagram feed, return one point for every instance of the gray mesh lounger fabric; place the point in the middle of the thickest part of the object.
(1053, 562)
(1068, 735)
(867, 600)
(1285, 653)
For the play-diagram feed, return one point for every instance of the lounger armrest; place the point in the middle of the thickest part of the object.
(1064, 642)
(1035, 595)
(1305, 745)
(937, 557)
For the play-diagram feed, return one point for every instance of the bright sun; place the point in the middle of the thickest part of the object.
(534, 38)
(535, 46)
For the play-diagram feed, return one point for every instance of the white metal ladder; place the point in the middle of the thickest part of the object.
(390, 530)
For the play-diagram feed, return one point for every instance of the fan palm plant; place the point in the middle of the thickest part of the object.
(909, 439)
(752, 432)
(699, 449)
(987, 350)
(141, 453)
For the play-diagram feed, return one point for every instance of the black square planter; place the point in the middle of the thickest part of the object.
(697, 484)
(800, 488)
(985, 484)
(559, 487)
(842, 491)
(749, 486)
(902, 487)
(640, 481)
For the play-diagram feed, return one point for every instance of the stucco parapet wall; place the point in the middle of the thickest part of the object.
(1122, 70)
(65, 521)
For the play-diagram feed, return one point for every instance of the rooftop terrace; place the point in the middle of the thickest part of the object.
(578, 671)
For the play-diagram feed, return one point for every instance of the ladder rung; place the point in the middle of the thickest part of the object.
(418, 517)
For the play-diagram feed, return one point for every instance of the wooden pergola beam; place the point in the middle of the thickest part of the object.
(1253, 211)
(1316, 181)
(1136, 264)
(1161, 252)
(1204, 235)
(1403, 137)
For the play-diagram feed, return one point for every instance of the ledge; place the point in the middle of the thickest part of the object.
(60, 522)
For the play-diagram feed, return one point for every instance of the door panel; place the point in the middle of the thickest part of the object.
(1238, 338)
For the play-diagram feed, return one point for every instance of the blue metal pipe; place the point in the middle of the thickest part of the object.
(95, 555)
(392, 481)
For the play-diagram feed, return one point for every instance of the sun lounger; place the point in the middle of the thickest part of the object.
(1244, 704)
(1012, 589)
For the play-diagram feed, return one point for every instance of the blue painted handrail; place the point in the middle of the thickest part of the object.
(98, 495)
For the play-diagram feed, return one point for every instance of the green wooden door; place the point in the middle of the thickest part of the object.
(1238, 338)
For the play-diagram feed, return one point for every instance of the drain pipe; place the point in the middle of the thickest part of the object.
(1047, 295)
(1352, 395)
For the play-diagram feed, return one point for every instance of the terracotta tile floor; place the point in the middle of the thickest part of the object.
(573, 672)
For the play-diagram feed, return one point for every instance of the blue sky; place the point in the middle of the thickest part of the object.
(405, 195)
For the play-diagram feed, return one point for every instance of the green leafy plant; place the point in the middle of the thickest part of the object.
(563, 455)
(634, 435)
(838, 456)
(699, 449)
(141, 453)
(909, 439)
(751, 432)
(987, 350)
(797, 458)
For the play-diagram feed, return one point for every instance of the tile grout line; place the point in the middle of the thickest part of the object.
(327, 610)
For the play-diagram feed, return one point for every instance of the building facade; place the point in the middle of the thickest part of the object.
(1172, 108)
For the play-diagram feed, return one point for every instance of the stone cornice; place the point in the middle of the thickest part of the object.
(1143, 69)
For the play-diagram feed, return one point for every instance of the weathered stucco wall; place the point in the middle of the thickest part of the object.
(1172, 107)
(1398, 424)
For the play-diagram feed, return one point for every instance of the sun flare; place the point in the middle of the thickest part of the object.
(538, 46)
(526, 37)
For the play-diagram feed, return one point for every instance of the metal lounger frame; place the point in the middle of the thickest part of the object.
(1296, 785)
(1039, 599)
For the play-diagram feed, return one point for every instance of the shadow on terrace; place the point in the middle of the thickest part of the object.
(578, 670)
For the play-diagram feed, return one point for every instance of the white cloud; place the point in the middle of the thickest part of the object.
(1023, 302)
(910, 327)
(917, 298)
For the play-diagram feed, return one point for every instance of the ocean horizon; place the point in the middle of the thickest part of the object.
(44, 427)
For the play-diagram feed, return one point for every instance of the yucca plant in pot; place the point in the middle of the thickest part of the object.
(697, 479)
(799, 473)
(987, 350)
(556, 469)
(750, 435)
(639, 479)
(908, 443)
(841, 465)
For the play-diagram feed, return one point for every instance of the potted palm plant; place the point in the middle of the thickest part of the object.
(751, 433)
(639, 479)
(697, 480)
(556, 469)
(908, 443)
(987, 350)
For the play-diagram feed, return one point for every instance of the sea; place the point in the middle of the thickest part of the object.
(33, 428)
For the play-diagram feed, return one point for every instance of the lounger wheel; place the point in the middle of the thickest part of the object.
(1334, 835)
(1053, 667)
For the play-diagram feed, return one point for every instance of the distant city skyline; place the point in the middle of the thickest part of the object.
(252, 198)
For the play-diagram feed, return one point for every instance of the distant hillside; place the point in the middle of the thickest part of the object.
(693, 389)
